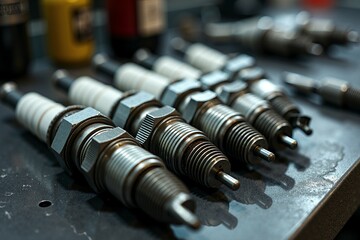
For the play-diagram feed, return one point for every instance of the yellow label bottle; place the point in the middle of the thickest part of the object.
(69, 31)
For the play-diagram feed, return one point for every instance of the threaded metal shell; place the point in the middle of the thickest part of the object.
(284, 106)
(189, 152)
(216, 121)
(333, 91)
(203, 161)
(138, 178)
(116, 163)
(241, 141)
(250, 106)
(272, 126)
(352, 99)
(123, 168)
(228, 129)
(155, 190)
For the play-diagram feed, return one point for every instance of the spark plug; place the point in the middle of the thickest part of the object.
(334, 91)
(261, 35)
(257, 111)
(202, 109)
(86, 142)
(263, 88)
(277, 131)
(160, 129)
(324, 31)
(166, 65)
(207, 59)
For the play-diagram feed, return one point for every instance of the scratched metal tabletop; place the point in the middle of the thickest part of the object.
(309, 193)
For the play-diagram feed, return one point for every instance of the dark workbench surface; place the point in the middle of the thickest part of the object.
(308, 193)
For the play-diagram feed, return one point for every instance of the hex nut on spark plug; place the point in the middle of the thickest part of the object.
(152, 120)
(96, 147)
(197, 102)
(66, 132)
(127, 108)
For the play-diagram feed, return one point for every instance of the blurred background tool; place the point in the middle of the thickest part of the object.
(325, 31)
(69, 31)
(135, 24)
(259, 34)
(14, 39)
(334, 91)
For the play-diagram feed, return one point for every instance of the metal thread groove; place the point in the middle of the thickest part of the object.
(189, 152)
(155, 189)
(241, 141)
(284, 106)
(119, 166)
(139, 179)
(202, 158)
(172, 138)
(228, 129)
(272, 125)
(215, 121)
(352, 99)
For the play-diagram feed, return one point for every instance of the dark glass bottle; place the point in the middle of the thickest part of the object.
(14, 39)
(135, 24)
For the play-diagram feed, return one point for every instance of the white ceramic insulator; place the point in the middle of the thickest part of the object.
(175, 69)
(204, 58)
(133, 77)
(264, 88)
(36, 112)
(89, 92)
